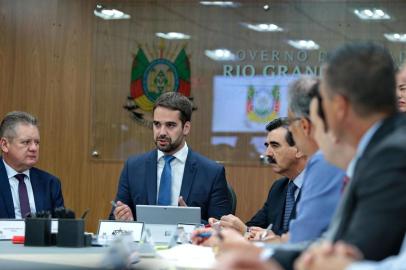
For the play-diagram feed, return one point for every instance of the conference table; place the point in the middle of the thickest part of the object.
(18, 256)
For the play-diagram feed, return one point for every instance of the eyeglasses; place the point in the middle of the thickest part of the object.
(320, 110)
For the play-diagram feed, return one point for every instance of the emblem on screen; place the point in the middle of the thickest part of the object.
(154, 72)
(263, 104)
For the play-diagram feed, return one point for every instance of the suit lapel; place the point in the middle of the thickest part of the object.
(37, 190)
(151, 177)
(5, 191)
(188, 175)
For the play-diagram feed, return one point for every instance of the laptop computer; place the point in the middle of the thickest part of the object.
(162, 221)
(159, 214)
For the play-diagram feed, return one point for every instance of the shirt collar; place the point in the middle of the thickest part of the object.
(181, 155)
(362, 145)
(298, 181)
(11, 172)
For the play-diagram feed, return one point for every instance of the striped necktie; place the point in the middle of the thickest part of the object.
(289, 204)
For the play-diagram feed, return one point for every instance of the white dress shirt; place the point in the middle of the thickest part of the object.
(178, 167)
(14, 189)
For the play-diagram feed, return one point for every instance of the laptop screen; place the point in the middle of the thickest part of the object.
(158, 214)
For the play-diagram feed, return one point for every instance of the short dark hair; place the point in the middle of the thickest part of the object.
(12, 119)
(365, 74)
(280, 122)
(176, 102)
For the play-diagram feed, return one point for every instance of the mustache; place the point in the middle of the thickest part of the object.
(163, 137)
(271, 160)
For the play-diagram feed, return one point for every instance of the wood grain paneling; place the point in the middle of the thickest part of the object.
(46, 64)
(47, 50)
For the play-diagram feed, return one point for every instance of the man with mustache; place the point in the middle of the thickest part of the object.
(24, 189)
(285, 159)
(172, 174)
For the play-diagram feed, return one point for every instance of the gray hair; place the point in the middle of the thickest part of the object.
(12, 119)
(300, 95)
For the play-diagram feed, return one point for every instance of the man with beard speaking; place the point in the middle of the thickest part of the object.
(172, 174)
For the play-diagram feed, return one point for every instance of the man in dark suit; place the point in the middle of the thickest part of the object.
(24, 189)
(172, 174)
(284, 159)
(359, 100)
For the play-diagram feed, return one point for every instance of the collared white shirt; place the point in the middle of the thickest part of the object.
(362, 145)
(14, 189)
(178, 167)
(298, 181)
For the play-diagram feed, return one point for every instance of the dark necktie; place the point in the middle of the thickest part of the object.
(165, 186)
(346, 179)
(23, 195)
(289, 204)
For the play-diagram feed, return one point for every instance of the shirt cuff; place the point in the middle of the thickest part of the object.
(365, 265)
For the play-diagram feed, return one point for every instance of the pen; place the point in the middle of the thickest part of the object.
(265, 233)
(113, 203)
(204, 235)
(215, 224)
(85, 213)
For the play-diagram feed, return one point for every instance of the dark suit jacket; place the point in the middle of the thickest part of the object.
(373, 216)
(46, 188)
(274, 208)
(203, 185)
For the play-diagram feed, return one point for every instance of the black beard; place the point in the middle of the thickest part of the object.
(171, 146)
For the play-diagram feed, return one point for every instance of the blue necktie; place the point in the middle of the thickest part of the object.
(289, 204)
(165, 186)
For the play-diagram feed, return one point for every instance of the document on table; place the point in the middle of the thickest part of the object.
(189, 256)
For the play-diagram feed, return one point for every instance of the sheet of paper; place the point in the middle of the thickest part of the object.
(11, 227)
(189, 256)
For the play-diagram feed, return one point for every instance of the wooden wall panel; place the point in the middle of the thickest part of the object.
(46, 50)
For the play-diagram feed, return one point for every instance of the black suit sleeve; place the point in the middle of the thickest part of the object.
(260, 219)
(56, 193)
(286, 258)
(376, 214)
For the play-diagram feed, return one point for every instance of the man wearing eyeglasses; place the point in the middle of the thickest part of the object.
(322, 181)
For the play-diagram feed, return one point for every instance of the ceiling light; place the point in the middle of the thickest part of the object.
(263, 27)
(395, 37)
(110, 14)
(172, 35)
(220, 55)
(304, 44)
(220, 3)
(371, 14)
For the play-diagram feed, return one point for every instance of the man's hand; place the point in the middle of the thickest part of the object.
(244, 257)
(123, 212)
(204, 237)
(326, 256)
(233, 222)
(181, 202)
